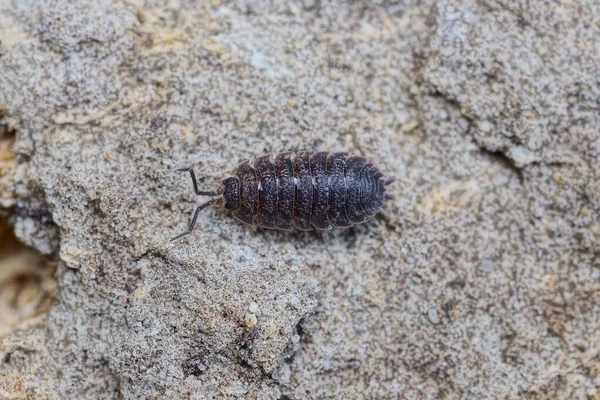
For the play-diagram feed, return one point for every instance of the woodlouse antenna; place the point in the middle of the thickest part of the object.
(195, 218)
(195, 183)
(200, 207)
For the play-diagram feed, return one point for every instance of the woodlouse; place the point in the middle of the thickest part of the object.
(299, 191)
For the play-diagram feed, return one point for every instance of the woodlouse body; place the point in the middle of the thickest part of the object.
(301, 191)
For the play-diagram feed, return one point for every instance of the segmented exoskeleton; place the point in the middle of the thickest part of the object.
(300, 191)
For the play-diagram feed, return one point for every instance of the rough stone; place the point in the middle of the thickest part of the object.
(480, 281)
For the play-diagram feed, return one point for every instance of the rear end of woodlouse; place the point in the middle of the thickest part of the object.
(302, 191)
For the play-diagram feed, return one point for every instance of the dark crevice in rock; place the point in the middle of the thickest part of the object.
(30, 216)
(502, 159)
(196, 364)
(35, 226)
(497, 156)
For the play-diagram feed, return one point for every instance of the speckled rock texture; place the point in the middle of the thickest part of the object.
(482, 280)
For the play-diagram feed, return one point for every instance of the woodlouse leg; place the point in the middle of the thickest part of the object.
(389, 197)
(198, 191)
(388, 181)
(195, 218)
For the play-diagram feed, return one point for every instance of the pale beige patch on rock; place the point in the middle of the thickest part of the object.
(27, 284)
(447, 197)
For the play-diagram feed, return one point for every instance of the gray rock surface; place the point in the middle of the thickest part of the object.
(481, 281)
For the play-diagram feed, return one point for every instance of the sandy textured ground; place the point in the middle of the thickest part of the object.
(482, 281)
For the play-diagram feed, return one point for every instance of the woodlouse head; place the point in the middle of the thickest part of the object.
(231, 193)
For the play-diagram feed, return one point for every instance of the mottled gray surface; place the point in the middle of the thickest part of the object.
(482, 281)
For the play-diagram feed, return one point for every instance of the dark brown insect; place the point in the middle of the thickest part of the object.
(300, 191)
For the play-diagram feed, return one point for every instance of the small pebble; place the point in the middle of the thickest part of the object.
(410, 126)
(294, 301)
(521, 156)
(253, 307)
(251, 320)
(432, 314)
(485, 125)
(139, 293)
